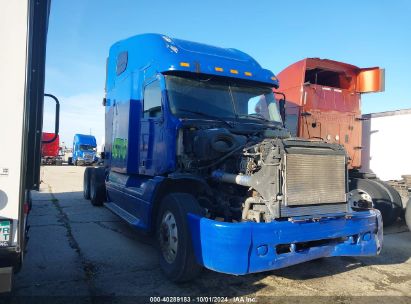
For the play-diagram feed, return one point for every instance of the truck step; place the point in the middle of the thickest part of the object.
(129, 218)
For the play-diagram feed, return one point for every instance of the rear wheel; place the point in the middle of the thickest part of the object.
(408, 214)
(177, 258)
(86, 183)
(97, 186)
(380, 197)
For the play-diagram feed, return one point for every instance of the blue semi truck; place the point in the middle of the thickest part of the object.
(84, 150)
(196, 153)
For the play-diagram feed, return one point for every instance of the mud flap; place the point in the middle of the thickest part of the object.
(6, 276)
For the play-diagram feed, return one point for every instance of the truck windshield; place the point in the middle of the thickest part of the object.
(87, 148)
(221, 99)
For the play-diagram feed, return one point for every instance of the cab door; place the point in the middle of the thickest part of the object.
(152, 136)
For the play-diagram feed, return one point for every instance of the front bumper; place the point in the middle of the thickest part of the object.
(248, 247)
(84, 161)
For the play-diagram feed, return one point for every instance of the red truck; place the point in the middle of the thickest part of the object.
(50, 152)
(323, 102)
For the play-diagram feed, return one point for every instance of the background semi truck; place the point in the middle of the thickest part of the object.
(23, 28)
(84, 150)
(324, 103)
(386, 150)
(50, 150)
(196, 153)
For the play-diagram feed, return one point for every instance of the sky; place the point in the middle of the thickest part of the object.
(276, 33)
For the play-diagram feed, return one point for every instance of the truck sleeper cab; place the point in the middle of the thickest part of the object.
(196, 153)
(84, 149)
(323, 101)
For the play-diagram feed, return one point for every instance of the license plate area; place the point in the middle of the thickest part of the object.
(5, 233)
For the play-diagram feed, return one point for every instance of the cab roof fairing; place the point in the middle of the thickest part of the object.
(85, 139)
(293, 75)
(164, 54)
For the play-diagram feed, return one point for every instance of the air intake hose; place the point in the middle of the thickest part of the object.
(221, 176)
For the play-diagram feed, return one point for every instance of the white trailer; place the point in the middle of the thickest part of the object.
(386, 147)
(23, 27)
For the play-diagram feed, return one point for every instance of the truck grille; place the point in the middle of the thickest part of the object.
(88, 156)
(313, 179)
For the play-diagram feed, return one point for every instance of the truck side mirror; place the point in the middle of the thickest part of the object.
(282, 110)
(57, 119)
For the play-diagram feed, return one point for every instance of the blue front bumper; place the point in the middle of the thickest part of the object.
(247, 247)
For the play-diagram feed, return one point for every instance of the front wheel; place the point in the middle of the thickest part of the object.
(97, 186)
(177, 258)
(380, 197)
(397, 207)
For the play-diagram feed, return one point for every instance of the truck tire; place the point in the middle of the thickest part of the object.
(380, 197)
(395, 198)
(70, 161)
(86, 183)
(97, 186)
(408, 214)
(177, 258)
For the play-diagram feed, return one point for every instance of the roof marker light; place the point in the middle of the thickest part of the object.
(248, 74)
(184, 64)
(233, 71)
(218, 69)
(173, 48)
(168, 39)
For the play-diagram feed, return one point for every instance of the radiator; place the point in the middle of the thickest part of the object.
(313, 179)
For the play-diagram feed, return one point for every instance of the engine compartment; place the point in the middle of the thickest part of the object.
(246, 170)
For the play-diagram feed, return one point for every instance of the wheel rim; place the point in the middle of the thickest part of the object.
(357, 195)
(168, 237)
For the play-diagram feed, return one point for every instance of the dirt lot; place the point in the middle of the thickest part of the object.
(77, 249)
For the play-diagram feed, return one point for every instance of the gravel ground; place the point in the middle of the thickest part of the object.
(79, 250)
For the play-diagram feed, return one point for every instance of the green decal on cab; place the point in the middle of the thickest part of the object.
(120, 148)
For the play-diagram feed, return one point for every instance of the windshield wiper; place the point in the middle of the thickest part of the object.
(207, 115)
(255, 116)
(262, 118)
